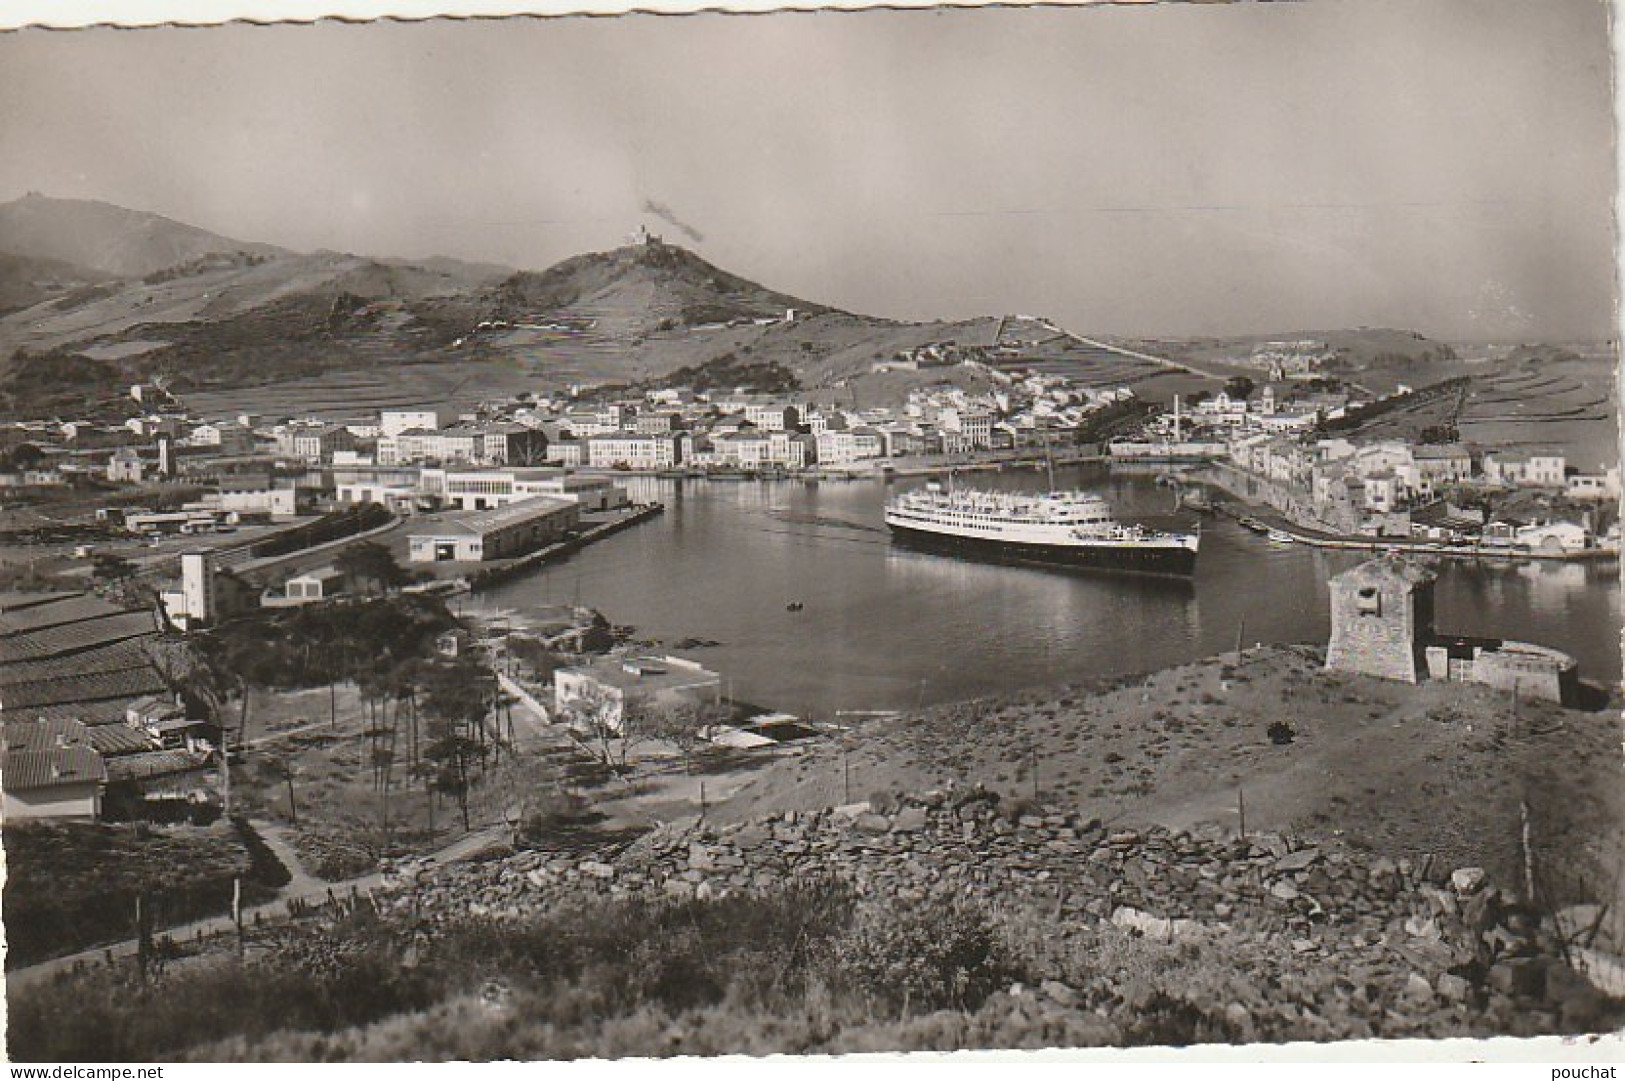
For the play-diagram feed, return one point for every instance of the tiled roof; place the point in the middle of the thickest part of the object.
(136, 767)
(96, 686)
(117, 657)
(116, 739)
(44, 735)
(94, 714)
(72, 608)
(29, 771)
(12, 600)
(481, 521)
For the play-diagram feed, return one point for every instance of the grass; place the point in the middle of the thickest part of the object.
(805, 968)
(70, 887)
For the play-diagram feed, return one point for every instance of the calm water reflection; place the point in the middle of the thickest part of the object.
(883, 627)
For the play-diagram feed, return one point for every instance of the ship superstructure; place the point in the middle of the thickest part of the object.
(1071, 529)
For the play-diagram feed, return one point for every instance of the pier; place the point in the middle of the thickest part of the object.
(491, 576)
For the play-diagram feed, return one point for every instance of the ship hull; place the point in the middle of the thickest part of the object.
(1119, 556)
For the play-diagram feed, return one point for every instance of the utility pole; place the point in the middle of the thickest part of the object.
(237, 913)
(1241, 810)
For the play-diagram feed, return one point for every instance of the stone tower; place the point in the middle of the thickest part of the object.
(1382, 619)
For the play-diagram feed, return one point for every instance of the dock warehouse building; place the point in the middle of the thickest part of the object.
(497, 533)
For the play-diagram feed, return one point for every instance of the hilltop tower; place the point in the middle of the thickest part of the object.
(1382, 619)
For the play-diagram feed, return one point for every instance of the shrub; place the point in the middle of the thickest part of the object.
(884, 802)
(911, 957)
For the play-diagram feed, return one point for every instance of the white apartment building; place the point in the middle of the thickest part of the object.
(843, 448)
(630, 451)
(392, 422)
(481, 489)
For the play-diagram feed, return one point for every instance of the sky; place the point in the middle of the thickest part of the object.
(1168, 170)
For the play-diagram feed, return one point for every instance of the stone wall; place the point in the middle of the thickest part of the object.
(1355, 936)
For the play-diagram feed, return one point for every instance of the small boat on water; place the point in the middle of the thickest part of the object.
(1280, 536)
(794, 606)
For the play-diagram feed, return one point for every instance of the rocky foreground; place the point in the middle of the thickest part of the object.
(1306, 939)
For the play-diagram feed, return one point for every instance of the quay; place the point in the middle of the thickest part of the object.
(920, 467)
(1275, 522)
(491, 576)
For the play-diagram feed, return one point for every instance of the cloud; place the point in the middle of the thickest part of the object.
(669, 216)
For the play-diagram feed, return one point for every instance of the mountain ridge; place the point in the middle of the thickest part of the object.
(207, 311)
(110, 239)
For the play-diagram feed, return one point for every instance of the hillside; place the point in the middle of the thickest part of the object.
(647, 286)
(1376, 357)
(939, 920)
(26, 280)
(133, 295)
(109, 239)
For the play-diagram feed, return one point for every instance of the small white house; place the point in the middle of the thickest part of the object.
(58, 783)
(318, 584)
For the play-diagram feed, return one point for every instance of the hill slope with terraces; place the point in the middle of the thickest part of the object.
(212, 315)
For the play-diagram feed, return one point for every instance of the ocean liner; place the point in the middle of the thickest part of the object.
(1063, 529)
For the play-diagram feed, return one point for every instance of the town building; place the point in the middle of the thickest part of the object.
(479, 489)
(193, 606)
(610, 686)
(125, 466)
(392, 422)
(569, 453)
(1552, 538)
(317, 584)
(503, 532)
(49, 771)
(1524, 469)
(627, 450)
(221, 438)
(845, 447)
(1599, 486)
(256, 495)
(315, 443)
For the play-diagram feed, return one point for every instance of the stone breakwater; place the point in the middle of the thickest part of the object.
(1416, 945)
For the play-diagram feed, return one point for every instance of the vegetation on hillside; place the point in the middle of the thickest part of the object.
(69, 887)
(731, 372)
(804, 968)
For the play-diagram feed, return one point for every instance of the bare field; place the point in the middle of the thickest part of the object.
(354, 394)
(1567, 403)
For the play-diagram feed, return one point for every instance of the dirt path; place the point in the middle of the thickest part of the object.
(276, 839)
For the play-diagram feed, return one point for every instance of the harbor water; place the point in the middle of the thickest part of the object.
(882, 627)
